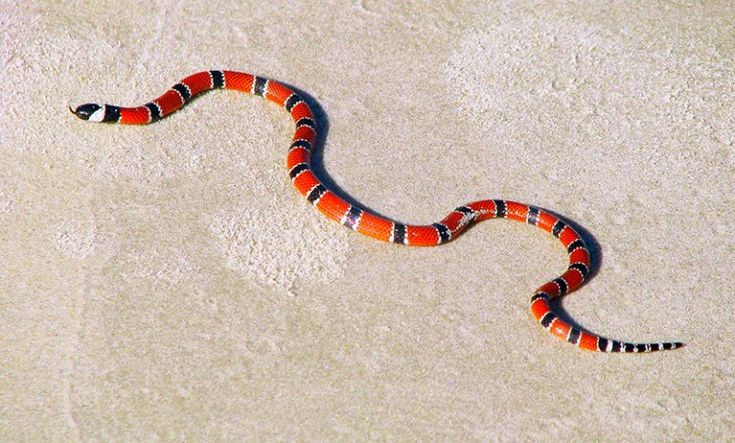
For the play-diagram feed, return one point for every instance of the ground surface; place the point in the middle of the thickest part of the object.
(166, 282)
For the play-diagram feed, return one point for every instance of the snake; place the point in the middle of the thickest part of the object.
(366, 222)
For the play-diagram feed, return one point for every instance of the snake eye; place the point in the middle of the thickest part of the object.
(86, 110)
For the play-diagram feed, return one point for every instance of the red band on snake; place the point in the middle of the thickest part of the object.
(334, 207)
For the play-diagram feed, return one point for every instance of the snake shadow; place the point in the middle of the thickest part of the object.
(317, 157)
(322, 122)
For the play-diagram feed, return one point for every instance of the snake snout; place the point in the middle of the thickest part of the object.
(89, 111)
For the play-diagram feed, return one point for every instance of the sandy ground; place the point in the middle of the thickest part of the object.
(167, 283)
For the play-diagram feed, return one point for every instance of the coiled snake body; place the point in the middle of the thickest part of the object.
(298, 163)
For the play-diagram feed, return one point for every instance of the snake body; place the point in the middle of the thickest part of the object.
(334, 207)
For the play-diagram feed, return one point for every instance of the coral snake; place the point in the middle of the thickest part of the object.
(329, 203)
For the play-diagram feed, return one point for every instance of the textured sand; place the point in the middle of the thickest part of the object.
(167, 283)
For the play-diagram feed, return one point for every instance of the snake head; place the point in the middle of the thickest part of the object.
(89, 111)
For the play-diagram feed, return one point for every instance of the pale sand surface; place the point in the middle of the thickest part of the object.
(167, 283)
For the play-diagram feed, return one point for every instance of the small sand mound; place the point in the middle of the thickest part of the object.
(281, 246)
